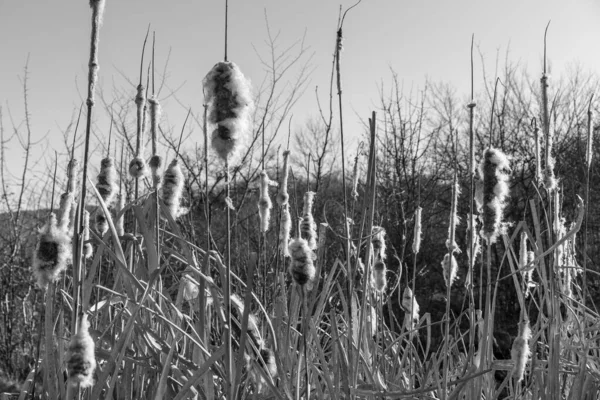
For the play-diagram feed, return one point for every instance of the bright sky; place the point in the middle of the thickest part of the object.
(418, 39)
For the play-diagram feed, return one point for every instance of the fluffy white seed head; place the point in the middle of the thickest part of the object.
(107, 181)
(308, 226)
(285, 229)
(264, 201)
(520, 350)
(72, 170)
(454, 219)
(282, 194)
(379, 278)
(378, 242)
(156, 164)
(138, 168)
(173, 189)
(52, 252)
(228, 95)
(416, 246)
(81, 359)
(119, 226)
(355, 179)
(494, 169)
(66, 203)
(88, 249)
(450, 268)
(302, 267)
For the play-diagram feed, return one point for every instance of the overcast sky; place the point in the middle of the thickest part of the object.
(418, 39)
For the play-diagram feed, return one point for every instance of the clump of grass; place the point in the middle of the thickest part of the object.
(52, 252)
(81, 360)
(308, 227)
(229, 98)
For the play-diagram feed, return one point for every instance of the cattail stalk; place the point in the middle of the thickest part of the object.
(589, 153)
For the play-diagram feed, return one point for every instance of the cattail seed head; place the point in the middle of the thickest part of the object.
(378, 242)
(66, 203)
(450, 268)
(52, 252)
(355, 179)
(411, 308)
(88, 250)
(138, 168)
(416, 246)
(379, 278)
(72, 175)
(454, 219)
(282, 195)
(285, 229)
(101, 222)
(119, 226)
(107, 181)
(190, 288)
(173, 188)
(520, 350)
(155, 111)
(81, 359)
(156, 163)
(308, 227)
(494, 169)
(229, 98)
(472, 235)
(264, 201)
(302, 268)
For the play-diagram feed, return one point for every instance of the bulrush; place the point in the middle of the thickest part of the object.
(107, 181)
(119, 226)
(66, 203)
(411, 308)
(416, 246)
(173, 188)
(308, 227)
(450, 268)
(156, 164)
(472, 233)
(301, 268)
(520, 350)
(355, 179)
(229, 98)
(282, 198)
(378, 242)
(264, 201)
(101, 222)
(88, 250)
(379, 278)
(52, 252)
(266, 360)
(72, 175)
(494, 169)
(81, 360)
(454, 219)
(138, 168)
